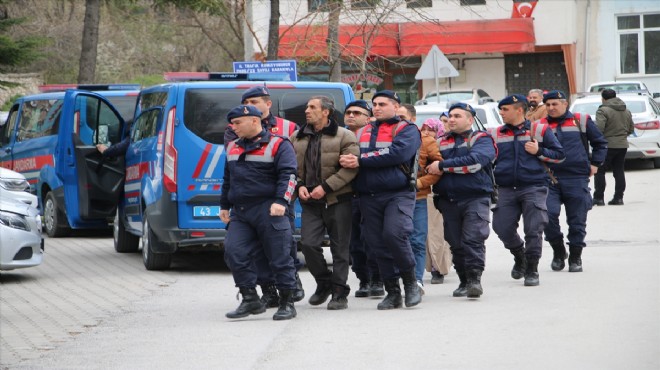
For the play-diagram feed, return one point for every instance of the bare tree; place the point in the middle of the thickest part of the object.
(90, 39)
(334, 54)
(274, 30)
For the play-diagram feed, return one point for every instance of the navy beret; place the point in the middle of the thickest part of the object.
(255, 92)
(445, 113)
(554, 94)
(243, 111)
(388, 94)
(463, 106)
(512, 99)
(360, 104)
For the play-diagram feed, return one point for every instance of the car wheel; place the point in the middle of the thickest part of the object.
(125, 242)
(153, 261)
(53, 218)
(656, 162)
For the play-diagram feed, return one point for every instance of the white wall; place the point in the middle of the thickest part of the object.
(487, 75)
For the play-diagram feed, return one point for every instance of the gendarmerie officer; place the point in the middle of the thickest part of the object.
(258, 183)
(387, 154)
(524, 152)
(464, 192)
(575, 132)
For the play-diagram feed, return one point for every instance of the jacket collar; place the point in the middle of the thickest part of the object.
(307, 129)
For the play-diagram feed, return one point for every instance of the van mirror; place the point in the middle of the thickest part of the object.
(102, 135)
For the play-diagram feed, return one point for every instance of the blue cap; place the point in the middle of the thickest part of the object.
(512, 99)
(445, 113)
(255, 92)
(243, 111)
(463, 106)
(554, 94)
(388, 94)
(360, 104)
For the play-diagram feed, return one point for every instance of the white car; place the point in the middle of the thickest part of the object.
(13, 185)
(424, 112)
(489, 114)
(21, 243)
(622, 87)
(645, 141)
(446, 98)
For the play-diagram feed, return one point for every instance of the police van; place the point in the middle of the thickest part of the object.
(50, 138)
(175, 160)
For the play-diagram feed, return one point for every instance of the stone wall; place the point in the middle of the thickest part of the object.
(26, 84)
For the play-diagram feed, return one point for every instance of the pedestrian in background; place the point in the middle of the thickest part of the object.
(614, 120)
(521, 172)
(537, 108)
(258, 183)
(325, 192)
(387, 196)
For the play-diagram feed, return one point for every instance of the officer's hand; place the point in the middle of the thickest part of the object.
(277, 209)
(349, 161)
(224, 216)
(532, 147)
(101, 147)
(303, 193)
(434, 169)
(318, 192)
(594, 169)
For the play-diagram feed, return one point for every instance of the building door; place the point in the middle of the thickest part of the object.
(545, 71)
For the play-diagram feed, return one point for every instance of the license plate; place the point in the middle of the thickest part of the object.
(206, 211)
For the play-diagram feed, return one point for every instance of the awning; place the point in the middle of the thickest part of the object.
(514, 35)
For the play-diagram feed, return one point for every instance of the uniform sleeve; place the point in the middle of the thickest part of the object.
(224, 195)
(404, 147)
(480, 155)
(598, 143)
(601, 120)
(118, 149)
(285, 169)
(341, 178)
(551, 150)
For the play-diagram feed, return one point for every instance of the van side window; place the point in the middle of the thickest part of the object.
(206, 111)
(146, 125)
(96, 122)
(7, 131)
(39, 118)
(292, 103)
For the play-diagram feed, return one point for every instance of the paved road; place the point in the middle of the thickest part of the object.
(88, 307)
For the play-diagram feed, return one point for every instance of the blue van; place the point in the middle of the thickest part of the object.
(175, 162)
(50, 138)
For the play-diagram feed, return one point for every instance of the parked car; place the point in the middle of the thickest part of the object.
(445, 98)
(425, 112)
(645, 141)
(50, 138)
(175, 162)
(14, 185)
(21, 244)
(489, 114)
(638, 87)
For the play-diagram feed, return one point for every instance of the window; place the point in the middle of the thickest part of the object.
(472, 2)
(364, 4)
(639, 44)
(317, 5)
(95, 122)
(39, 118)
(419, 3)
(147, 125)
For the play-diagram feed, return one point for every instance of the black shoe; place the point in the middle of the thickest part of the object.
(558, 255)
(286, 310)
(473, 287)
(250, 305)
(519, 263)
(599, 202)
(461, 291)
(299, 293)
(412, 290)
(339, 299)
(437, 277)
(531, 272)
(323, 291)
(269, 297)
(363, 291)
(575, 260)
(393, 299)
(616, 202)
(376, 288)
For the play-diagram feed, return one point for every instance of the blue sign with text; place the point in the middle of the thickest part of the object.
(271, 66)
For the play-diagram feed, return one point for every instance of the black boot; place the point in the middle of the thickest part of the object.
(393, 298)
(558, 255)
(575, 259)
(323, 291)
(363, 291)
(376, 286)
(269, 296)
(520, 262)
(299, 293)
(532, 272)
(339, 299)
(437, 277)
(461, 291)
(286, 310)
(413, 293)
(250, 305)
(474, 289)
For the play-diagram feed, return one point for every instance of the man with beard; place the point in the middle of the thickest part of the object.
(536, 109)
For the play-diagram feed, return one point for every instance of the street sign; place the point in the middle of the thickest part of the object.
(436, 65)
(270, 66)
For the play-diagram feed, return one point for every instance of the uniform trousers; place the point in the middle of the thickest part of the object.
(467, 226)
(387, 225)
(252, 234)
(575, 195)
(530, 202)
(363, 267)
(438, 255)
(265, 275)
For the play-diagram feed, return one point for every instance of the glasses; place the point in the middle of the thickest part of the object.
(354, 113)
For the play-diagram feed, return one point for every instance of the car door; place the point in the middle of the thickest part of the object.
(96, 181)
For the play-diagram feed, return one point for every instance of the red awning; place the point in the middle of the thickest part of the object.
(309, 41)
(515, 35)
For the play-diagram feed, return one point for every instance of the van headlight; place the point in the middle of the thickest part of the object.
(14, 221)
(15, 184)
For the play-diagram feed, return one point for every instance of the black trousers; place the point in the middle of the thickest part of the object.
(615, 160)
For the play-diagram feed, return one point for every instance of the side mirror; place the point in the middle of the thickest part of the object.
(102, 135)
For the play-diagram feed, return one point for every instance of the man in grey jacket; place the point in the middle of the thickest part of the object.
(615, 122)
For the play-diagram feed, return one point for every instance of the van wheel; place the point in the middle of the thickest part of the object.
(125, 242)
(53, 218)
(153, 261)
(656, 162)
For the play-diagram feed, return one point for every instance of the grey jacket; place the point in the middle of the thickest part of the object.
(615, 122)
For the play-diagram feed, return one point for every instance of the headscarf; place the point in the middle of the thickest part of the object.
(436, 125)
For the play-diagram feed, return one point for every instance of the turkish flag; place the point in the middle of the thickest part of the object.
(523, 9)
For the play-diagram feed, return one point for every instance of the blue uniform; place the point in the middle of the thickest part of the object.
(386, 199)
(572, 188)
(464, 196)
(258, 174)
(523, 184)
